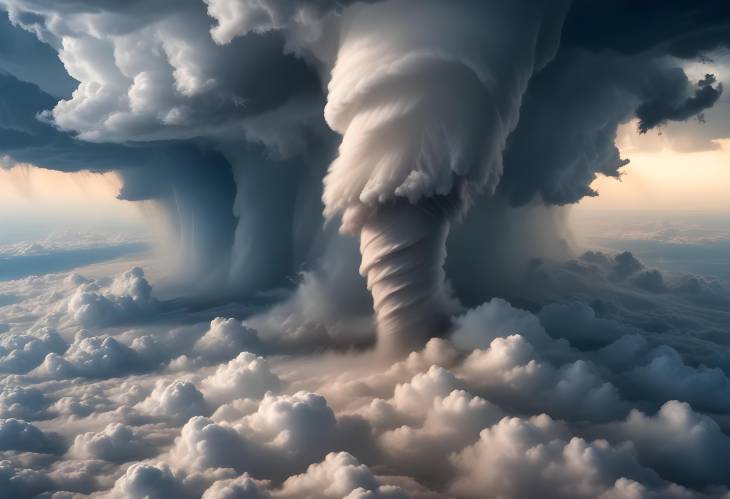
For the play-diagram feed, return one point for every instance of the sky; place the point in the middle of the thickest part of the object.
(314, 249)
(52, 201)
(667, 181)
(674, 168)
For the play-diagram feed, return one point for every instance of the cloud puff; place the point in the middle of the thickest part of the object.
(115, 443)
(177, 401)
(23, 403)
(246, 376)
(451, 423)
(497, 318)
(19, 353)
(680, 444)
(146, 81)
(290, 430)
(666, 376)
(577, 323)
(146, 480)
(90, 356)
(127, 298)
(415, 397)
(15, 482)
(225, 338)
(523, 458)
(240, 18)
(242, 487)
(339, 475)
(301, 423)
(510, 372)
(19, 435)
(204, 444)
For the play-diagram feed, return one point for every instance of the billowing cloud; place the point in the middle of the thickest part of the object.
(146, 80)
(511, 403)
(116, 443)
(19, 435)
(339, 475)
(128, 296)
(23, 352)
(246, 376)
(695, 441)
(177, 108)
(225, 337)
(586, 96)
(178, 401)
(523, 458)
(412, 153)
(144, 480)
(23, 403)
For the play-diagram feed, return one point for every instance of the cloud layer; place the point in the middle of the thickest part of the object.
(567, 403)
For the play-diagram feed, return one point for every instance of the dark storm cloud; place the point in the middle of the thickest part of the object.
(27, 139)
(214, 202)
(193, 185)
(682, 28)
(201, 194)
(239, 178)
(614, 65)
(142, 80)
(571, 114)
(685, 311)
(155, 73)
(660, 109)
(19, 435)
(22, 54)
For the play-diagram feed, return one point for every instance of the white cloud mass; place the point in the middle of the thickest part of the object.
(510, 404)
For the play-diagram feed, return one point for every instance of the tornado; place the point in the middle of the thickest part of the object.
(403, 252)
(425, 94)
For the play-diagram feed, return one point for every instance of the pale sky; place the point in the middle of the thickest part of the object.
(34, 201)
(658, 179)
(35, 191)
(672, 168)
(662, 179)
